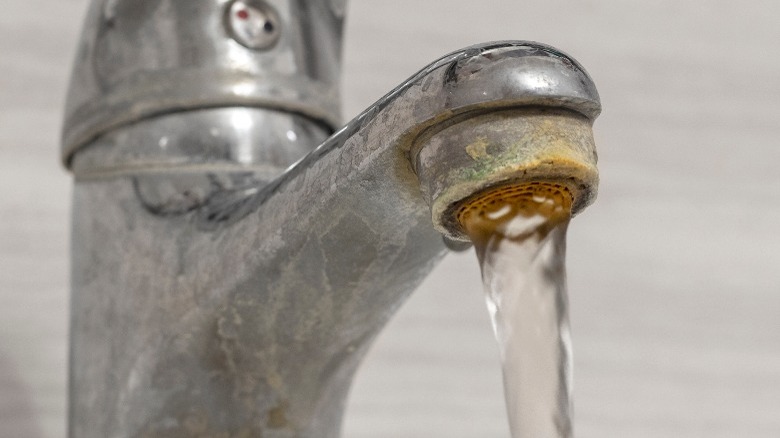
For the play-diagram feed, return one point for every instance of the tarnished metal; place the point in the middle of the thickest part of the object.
(514, 146)
(220, 290)
(234, 138)
(140, 59)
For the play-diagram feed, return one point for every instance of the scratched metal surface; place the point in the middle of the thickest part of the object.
(674, 285)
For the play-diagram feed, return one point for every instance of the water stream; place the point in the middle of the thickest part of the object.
(521, 245)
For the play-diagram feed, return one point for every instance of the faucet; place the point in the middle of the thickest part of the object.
(233, 252)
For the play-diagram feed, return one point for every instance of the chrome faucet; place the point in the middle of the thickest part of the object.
(234, 254)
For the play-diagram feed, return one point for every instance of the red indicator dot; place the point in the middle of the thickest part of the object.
(242, 14)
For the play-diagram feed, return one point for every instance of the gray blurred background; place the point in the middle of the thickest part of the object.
(674, 272)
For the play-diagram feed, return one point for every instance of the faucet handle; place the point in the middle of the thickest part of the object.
(137, 60)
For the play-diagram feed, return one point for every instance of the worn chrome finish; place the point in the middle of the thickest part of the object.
(140, 59)
(222, 288)
(250, 139)
(482, 79)
(512, 146)
(208, 300)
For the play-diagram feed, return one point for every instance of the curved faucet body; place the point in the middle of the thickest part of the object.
(222, 284)
(245, 315)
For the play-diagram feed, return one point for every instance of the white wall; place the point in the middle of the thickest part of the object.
(673, 273)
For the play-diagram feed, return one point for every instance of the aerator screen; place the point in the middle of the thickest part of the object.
(528, 198)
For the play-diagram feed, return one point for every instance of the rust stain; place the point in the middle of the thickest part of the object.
(277, 417)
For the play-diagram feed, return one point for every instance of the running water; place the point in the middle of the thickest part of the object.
(521, 243)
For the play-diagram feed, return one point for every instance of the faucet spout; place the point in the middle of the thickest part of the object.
(216, 296)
